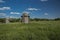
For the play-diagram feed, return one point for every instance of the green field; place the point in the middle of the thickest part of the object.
(41, 30)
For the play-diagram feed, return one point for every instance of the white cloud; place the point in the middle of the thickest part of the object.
(5, 8)
(32, 9)
(43, 0)
(13, 17)
(45, 13)
(1, 1)
(14, 13)
(26, 12)
(2, 14)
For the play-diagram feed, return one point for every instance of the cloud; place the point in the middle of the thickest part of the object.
(13, 16)
(5, 8)
(1, 1)
(2, 14)
(32, 9)
(14, 13)
(45, 13)
(26, 12)
(43, 0)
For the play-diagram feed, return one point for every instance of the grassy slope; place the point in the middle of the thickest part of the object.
(43, 30)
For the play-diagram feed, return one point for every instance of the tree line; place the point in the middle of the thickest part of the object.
(38, 19)
(34, 19)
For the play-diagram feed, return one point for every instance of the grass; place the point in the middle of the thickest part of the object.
(41, 30)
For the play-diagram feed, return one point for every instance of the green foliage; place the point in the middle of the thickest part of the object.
(14, 19)
(57, 19)
(38, 19)
(2, 20)
(41, 30)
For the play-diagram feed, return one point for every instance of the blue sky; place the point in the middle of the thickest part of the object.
(35, 8)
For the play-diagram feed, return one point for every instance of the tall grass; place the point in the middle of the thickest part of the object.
(42, 30)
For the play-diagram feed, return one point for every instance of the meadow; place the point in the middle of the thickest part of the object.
(36, 30)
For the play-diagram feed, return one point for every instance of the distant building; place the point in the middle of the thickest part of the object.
(7, 20)
(25, 18)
